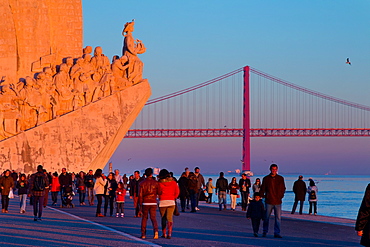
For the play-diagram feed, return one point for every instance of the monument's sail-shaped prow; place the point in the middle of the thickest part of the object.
(80, 140)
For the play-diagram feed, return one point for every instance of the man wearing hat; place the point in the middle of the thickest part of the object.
(299, 189)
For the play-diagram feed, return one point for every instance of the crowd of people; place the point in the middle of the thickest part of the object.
(149, 192)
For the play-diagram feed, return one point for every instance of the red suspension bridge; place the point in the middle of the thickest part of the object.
(249, 103)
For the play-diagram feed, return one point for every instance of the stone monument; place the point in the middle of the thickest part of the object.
(59, 105)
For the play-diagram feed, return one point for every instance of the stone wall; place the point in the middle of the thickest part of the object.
(37, 33)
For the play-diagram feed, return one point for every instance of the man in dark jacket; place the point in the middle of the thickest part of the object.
(134, 191)
(38, 183)
(363, 219)
(65, 180)
(89, 182)
(149, 189)
(221, 189)
(273, 189)
(244, 185)
(299, 189)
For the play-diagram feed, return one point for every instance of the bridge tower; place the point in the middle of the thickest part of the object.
(246, 160)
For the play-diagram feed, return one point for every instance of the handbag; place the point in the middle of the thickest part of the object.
(81, 187)
(237, 196)
(176, 212)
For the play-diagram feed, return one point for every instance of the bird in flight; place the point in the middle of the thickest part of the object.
(348, 62)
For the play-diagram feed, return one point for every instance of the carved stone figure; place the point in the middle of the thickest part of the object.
(89, 84)
(100, 63)
(51, 90)
(131, 48)
(119, 69)
(30, 104)
(9, 112)
(78, 77)
(63, 86)
(47, 89)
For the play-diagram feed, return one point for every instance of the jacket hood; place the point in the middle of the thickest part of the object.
(166, 181)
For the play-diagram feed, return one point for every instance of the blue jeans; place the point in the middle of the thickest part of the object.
(222, 197)
(193, 200)
(277, 212)
(22, 200)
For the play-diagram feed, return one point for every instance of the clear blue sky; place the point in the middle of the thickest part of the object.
(189, 42)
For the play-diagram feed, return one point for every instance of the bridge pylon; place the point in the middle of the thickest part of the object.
(246, 160)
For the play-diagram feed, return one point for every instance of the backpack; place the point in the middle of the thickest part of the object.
(39, 183)
(312, 195)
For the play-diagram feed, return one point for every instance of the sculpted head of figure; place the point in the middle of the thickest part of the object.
(29, 81)
(48, 71)
(98, 51)
(87, 50)
(69, 61)
(63, 68)
(129, 27)
(41, 76)
(124, 59)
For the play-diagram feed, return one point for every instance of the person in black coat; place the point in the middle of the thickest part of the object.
(256, 212)
(299, 189)
(184, 193)
(363, 223)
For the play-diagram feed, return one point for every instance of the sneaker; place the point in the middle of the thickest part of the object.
(277, 236)
(117, 214)
(122, 215)
(35, 218)
(39, 219)
(314, 213)
(255, 234)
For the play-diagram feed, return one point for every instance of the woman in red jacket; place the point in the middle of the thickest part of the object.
(168, 192)
(55, 188)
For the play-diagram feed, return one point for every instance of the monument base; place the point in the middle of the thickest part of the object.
(80, 140)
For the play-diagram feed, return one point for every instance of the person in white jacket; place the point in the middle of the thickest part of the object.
(312, 197)
(100, 182)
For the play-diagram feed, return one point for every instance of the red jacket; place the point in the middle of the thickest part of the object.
(55, 186)
(168, 189)
(120, 195)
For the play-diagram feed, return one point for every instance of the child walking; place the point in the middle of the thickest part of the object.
(120, 199)
(256, 212)
(22, 187)
(210, 187)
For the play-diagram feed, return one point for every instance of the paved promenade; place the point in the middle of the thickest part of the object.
(208, 227)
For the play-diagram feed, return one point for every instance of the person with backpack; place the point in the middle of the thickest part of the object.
(38, 183)
(312, 197)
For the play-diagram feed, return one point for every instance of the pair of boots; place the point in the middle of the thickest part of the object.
(164, 230)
